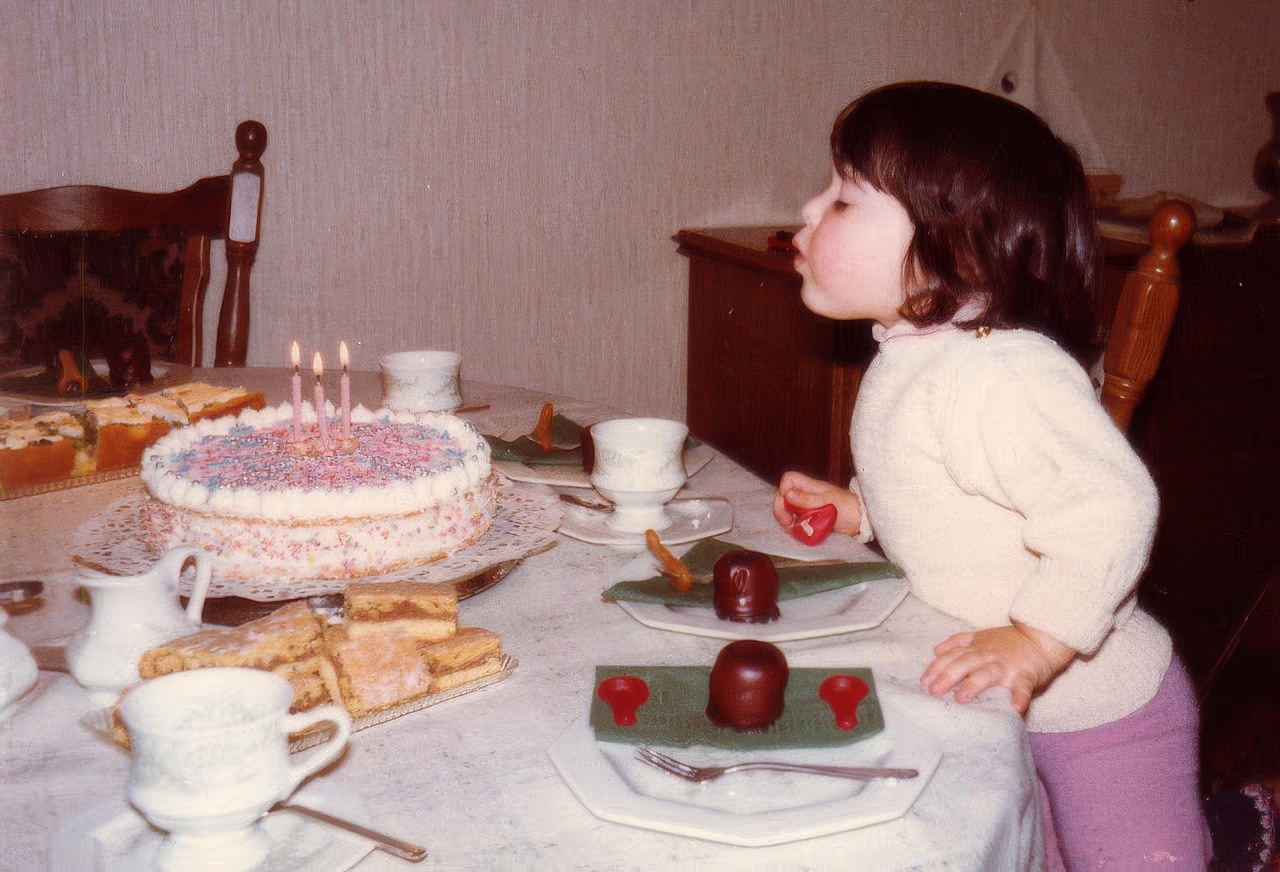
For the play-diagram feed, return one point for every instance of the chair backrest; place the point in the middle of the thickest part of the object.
(1144, 313)
(104, 261)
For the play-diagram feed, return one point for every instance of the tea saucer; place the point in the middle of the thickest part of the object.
(112, 837)
(691, 520)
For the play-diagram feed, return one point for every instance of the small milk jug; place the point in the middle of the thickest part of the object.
(129, 614)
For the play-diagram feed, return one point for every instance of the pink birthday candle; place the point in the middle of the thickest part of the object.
(345, 383)
(297, 393)
(317, 366)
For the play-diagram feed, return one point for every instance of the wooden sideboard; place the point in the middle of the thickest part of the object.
(773, 386)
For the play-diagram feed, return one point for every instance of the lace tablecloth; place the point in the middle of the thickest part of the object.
(471, 778)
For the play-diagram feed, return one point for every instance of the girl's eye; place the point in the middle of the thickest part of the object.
(839, 206)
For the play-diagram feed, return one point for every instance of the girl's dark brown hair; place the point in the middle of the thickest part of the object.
(999, 203)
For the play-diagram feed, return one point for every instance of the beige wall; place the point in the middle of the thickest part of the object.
(503, 178)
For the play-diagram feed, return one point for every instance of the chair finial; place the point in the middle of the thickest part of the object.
(1172, 225)
(251, 140)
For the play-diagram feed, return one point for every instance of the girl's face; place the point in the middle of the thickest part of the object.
(852, 250)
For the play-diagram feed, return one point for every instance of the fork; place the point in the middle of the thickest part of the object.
(700, 774)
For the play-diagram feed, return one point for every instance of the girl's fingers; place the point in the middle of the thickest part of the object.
(952, 642)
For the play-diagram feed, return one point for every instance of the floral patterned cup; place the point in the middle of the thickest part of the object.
(421, 381)
(639, 467)
(211, 756)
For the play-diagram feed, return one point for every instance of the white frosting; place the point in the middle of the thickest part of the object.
(320, 531)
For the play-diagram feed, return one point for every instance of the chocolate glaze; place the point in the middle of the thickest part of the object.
(745, 587)
(129, 363)
(748, 686)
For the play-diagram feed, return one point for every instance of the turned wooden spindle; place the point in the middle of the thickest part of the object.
(1266, 164)
(244, 213)
(1144, 313)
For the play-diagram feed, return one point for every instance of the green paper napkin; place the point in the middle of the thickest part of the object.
(566, 442)
(676, 714)
(795, 578)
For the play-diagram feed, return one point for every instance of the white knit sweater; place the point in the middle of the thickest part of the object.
(989, 471)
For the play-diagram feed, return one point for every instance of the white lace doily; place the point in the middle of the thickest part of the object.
(524, 524)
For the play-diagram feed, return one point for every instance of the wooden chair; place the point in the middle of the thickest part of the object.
(1144, 314)
(81, 265)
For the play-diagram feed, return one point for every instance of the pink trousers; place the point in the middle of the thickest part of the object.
(1126, 795)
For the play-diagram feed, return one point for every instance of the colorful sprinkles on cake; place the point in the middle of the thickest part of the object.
(260, 459)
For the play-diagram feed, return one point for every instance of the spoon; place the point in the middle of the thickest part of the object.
(398, 847)
(575, 500)
(18, 591)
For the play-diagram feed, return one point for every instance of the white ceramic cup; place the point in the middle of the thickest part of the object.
(211, 756)
(639, 467)
(421, 381)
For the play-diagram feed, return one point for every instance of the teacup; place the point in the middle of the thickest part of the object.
(211, 756)
(639, 467)
(421, 381)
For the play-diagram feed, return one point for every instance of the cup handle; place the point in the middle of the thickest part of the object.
(317, 758)
(200, 589)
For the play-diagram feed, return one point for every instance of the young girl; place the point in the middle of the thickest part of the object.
(960, 226)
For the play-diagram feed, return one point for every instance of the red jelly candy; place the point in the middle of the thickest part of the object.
(624, 694)
(843, 693)
(811, 526)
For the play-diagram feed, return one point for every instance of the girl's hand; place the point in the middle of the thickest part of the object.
(806, 492)
(1020, 658)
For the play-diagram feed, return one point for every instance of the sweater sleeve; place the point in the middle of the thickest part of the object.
(866, 532)
(1024, 428)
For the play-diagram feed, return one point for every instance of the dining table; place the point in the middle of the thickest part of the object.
(495, 779)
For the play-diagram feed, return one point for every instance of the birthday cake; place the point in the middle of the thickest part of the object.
(400, 491)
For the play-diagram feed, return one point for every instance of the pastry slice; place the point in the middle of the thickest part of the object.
(289, 634)
(314, 682)
(39, 450)
(200, 401)
(471, 654)
(376, 671)
(423, 611)
(120, 432)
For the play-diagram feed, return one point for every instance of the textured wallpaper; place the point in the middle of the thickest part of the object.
(504, 178)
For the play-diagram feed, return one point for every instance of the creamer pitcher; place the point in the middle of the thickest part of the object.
(131, 613)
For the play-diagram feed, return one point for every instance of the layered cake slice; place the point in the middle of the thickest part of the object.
(38, 450)
(158, 406)
(200, 401)
(366, 664)
(378, 671)
(423, 611)
(314, 682)
(473, 653)
(120, 432)
(289, 641)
